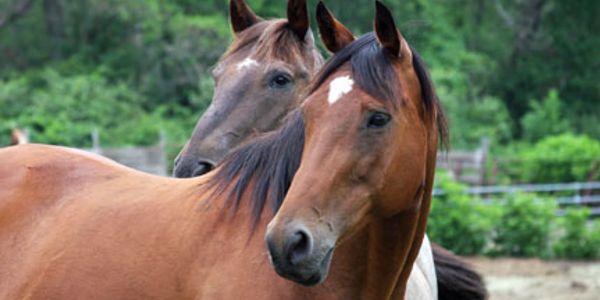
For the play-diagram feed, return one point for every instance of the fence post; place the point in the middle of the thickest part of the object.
(19, 136)
(162, 144)
(481, 158)
(96, 141)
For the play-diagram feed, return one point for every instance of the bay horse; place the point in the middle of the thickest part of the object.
(244, 107)
(349, 177)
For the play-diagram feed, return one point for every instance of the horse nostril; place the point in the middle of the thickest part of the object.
(298, 247)
(202, 168)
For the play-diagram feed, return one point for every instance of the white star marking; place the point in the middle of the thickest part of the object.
(339, 87)
(248, 62)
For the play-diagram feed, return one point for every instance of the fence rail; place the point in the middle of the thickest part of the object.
(534, 188)
(584, 194)
(466, 166)
(151, 159)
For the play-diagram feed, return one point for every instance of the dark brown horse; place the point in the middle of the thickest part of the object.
(258, 81)
(238, 114)
(349, 176)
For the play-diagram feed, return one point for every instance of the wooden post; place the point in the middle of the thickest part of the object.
(96, 148)
(481, 157)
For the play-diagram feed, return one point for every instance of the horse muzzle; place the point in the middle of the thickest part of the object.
(299, 254)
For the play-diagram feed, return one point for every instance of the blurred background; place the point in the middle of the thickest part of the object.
(519, 80)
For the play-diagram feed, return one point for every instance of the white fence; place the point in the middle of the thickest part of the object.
(150, 159)
(582, 194)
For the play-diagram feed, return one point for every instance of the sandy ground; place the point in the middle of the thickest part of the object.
(514, 279)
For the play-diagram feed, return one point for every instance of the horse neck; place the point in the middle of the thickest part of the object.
(393, 245)
(382, 255)
(420, 218)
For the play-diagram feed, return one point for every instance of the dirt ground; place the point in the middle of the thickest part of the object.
(515, 279)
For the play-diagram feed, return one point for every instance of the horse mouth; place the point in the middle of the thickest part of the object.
(312, 281)
(305, 275)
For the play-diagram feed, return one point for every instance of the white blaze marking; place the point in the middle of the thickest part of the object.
(248, 62)
(339, 87)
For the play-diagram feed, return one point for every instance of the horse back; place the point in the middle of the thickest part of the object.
(41, 189)
(35, 178)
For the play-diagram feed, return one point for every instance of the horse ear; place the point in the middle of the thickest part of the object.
(241, 16)
(297, 14)
(388, 35)
(335, 35)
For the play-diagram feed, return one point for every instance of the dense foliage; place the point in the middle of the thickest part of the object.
(518, 224)
(562, 158)
(489, 60)
(524, 226)
(459, 221)
(554, 158)
(578, 240)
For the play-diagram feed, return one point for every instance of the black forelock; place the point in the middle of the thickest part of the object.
(372, 68)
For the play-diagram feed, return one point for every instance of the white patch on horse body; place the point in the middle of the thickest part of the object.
(339, 87)
(248, 62)
(422, 281)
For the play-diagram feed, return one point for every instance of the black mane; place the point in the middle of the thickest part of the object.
(271, 161)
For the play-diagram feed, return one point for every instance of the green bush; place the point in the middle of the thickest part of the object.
(577, 240)
(484, 118)
(563, 158)
(65, 110)
(524, 226)
(458, 221)
(545, 118)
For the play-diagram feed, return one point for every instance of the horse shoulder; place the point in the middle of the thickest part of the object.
(63, 211)
(34, 179)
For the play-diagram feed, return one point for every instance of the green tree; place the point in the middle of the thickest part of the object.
(545, 118)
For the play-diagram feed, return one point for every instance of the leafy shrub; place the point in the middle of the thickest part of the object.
(12, 94)
(64, 110)
(178, 64)
(524, 226)
(483, 118)
(563, 158)
(578, 241)
(582, 124)
(459, 221)
(545, 118)
(520, 225)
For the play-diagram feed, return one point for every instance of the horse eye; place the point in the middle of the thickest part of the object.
(378, 120)
(280, 81)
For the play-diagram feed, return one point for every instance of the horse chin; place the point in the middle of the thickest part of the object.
(307, 275)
